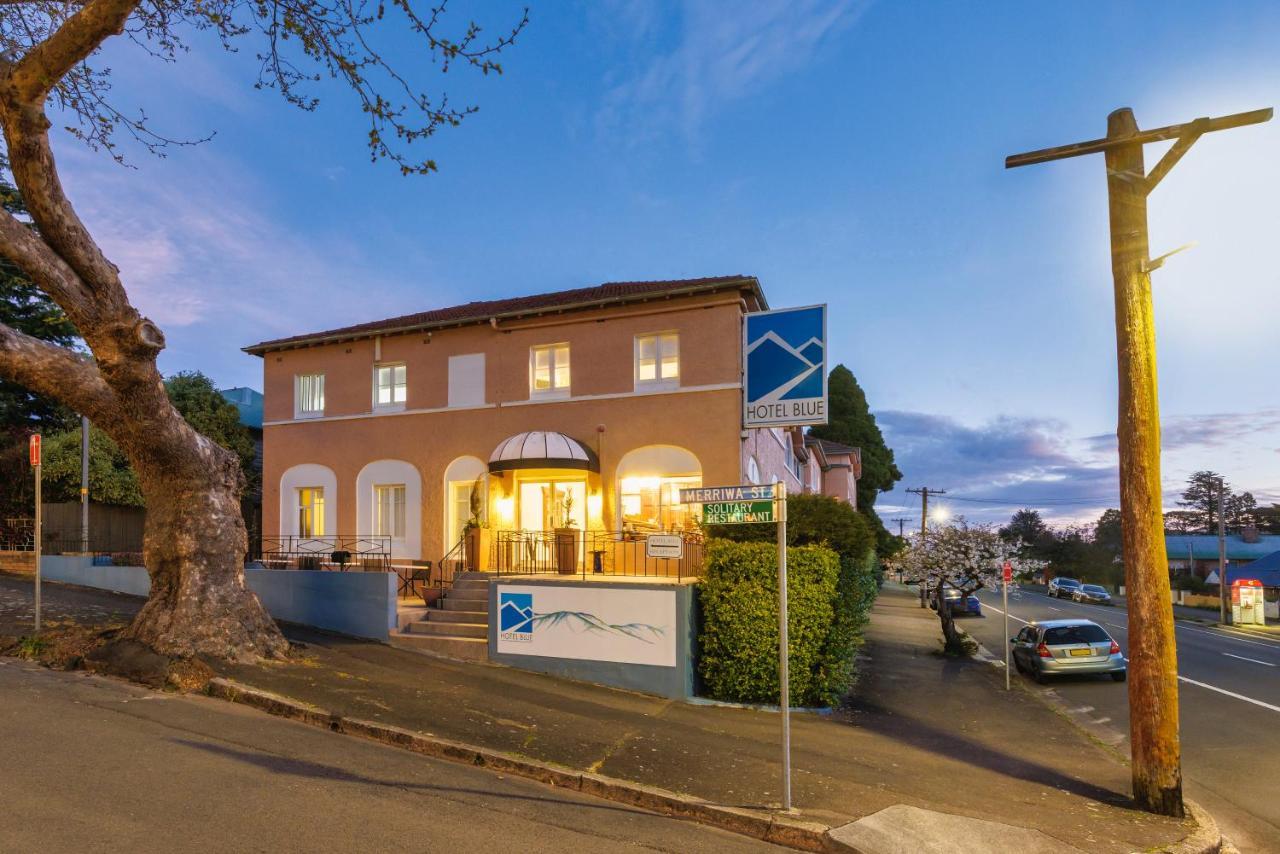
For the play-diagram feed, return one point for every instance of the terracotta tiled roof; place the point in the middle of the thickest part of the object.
(610, 292)
(829, 447)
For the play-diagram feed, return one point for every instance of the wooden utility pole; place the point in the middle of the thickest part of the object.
(1153, 663)
(900, 520)
(924, 492)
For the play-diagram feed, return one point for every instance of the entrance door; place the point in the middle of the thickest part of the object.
(544, 506)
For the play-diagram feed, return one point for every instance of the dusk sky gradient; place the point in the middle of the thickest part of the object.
(843, 152)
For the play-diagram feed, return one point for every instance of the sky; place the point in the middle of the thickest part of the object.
(844, 152)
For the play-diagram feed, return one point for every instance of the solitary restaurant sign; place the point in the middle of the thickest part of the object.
(733, 505)
(784, 357)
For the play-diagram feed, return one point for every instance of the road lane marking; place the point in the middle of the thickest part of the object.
(1051, 608)
(1230, 694)
(1227, 636)
(1011, 617)
(1254, 660)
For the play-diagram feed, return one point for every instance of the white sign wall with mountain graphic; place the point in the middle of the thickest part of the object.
(590, 623)
(785, 359)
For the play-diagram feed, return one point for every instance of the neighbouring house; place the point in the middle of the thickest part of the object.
(1197, 554)
(833, 469)
(584, 410)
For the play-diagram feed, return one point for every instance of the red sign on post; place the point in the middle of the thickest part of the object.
(35, 449)
(1008, 572)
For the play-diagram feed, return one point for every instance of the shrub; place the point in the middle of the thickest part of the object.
(811, 520)
(827, 602)
(855, 592)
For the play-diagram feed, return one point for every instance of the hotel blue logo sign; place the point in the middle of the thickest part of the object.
(515, 616)
(785, 354)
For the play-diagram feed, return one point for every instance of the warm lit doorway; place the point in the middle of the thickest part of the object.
(546, 505)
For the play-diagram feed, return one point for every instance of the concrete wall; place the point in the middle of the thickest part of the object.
(70, 569)
(360, 604)
(675, 682)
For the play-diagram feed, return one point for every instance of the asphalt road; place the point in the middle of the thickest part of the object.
(1229, 704)
(90, 764)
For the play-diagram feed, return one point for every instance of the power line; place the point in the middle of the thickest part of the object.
(1020, 500)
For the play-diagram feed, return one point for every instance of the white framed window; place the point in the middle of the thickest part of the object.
(549, 370)
(388, 510)
(466, 380)
(310, 505)
(390, 388)
(657, 360)
(308, 395)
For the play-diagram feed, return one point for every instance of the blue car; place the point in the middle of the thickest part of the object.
(960, 604)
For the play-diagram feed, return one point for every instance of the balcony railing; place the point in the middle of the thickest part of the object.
(338, 551)
(590, 554)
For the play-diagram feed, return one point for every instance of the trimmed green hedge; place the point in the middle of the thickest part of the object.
(828, 599)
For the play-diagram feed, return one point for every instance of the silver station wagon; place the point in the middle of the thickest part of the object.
(1060, 647)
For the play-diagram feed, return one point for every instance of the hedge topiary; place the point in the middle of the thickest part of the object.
(739, 640)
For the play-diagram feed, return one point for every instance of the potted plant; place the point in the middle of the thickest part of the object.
(567, 538)
(472, 534)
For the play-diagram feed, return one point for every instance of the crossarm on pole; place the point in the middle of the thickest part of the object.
(1094, 146)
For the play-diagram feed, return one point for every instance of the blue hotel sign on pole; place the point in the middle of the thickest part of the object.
(784, 355)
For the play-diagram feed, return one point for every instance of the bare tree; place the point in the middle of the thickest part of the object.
(195, 538)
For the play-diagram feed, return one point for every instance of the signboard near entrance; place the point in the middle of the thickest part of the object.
(784, 354)
(664, 546)
(590, 622)
(737, 512)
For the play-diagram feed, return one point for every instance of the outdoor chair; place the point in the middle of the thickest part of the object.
(420, 575)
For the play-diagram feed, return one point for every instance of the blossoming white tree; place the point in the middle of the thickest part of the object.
(962, 556)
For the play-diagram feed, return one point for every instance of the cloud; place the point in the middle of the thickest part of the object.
(993, 469)
(1008, 463)
(722, 53)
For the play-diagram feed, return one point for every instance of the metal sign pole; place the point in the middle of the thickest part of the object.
(1006, 575)
(780, 496)
(1006, 635)
(39, 537)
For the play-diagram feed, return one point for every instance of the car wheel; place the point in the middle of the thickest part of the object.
(1017, 665)
(1119, 676)
(1039, 676)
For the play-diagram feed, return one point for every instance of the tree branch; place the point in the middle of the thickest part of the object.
(50, 60)
(58, 373)
(23, 89)
(22, 246)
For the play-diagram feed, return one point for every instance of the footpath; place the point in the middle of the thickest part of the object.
(919, 730)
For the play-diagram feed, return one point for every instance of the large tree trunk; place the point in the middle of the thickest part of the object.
(950, 634)
(194, 551)
(195, 537)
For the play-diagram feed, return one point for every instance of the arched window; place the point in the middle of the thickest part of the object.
(308, 501)
(465, 492)
(389, 504)
(649, 481)
(753, 471)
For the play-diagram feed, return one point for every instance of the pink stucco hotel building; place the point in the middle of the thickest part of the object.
(584, 409)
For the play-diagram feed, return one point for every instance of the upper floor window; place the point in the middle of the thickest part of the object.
(549, 370)
(466, 380)
(657, 359)
(388, 510)
(310, 511)
(308, 395)
(389, 386)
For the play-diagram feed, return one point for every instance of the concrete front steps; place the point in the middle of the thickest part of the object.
(459, 628)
